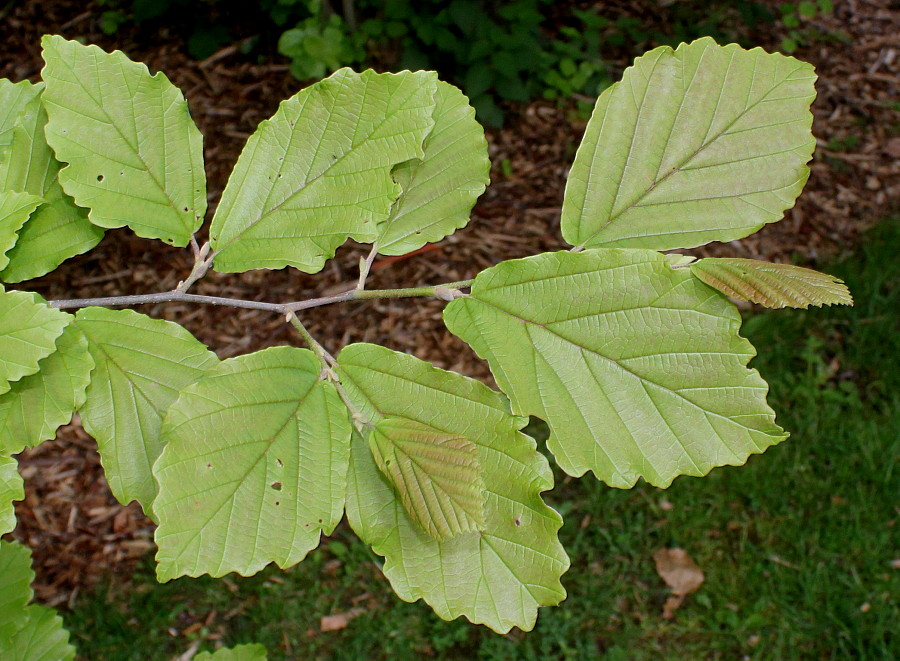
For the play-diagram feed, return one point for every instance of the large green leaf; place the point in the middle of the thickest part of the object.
(28, 331)
(58, 229)
(134, 156)
(498, 575)
(439, 190)
(36, 406)
(249, 652)
(704, 143)
(15, 208)
(254, 468)
(437, 475)
(11, 489)
(13, 99)
(319, 170)
(771, 285)
(15, 588)
(41, 638)
(637, 368)
(142, 365)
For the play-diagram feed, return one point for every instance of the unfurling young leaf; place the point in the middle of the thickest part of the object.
(255, 466)
(28, 332)
(58, 229)
(142, 365)
(497, 575)
(37, 405)
(637, 367)
(11, 489)
(437, 475)
(319, 171)
(771, 285)
(134, 155)
(439, 190)
(703, 143)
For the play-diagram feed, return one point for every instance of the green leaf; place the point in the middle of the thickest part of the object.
(319, 170)
(497, 576)
(13, 99)
(28, 331)
(15, 588)
(58, 229)
(772, 285)
(704, 143)
(42, 638)
(135, 157)
(438, 191)
(142, 365)
(437, 475)
(255, 466)
(250, 652)
(37, 405)
(637, 368)
(15, 208)
(11, 488)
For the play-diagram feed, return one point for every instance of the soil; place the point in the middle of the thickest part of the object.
(76, 529)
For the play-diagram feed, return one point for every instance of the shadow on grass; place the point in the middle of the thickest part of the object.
(797, 546)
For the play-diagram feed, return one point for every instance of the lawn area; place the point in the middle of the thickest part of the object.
(797, 546)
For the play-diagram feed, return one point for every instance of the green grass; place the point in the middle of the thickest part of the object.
(796, 546)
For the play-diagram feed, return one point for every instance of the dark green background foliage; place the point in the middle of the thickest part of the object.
(501, 51)
(796, 545)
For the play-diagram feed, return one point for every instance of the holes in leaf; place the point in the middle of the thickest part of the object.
(279, 462)
(518, 522)
(186, 209)
(276, 486)
(277, 502)
(99, 177)
(209, 465)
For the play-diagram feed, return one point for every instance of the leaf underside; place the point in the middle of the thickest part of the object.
(142, 364)
(134, 155)
(15, 588)
(254, 466)
(497, 576)
(637, 368)
(41, 637)
(771, 285)
(37, 405)
(13, 99)
(15, 208)
(704, 143)
(11, 489)
(438, 191)
(58, 229)
(319, 171)
(437, 475)
(28, 332)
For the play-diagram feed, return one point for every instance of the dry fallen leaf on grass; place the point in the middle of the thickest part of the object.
(680, 573)
(339, 620)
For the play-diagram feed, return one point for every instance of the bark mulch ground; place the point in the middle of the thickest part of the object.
(75, 528)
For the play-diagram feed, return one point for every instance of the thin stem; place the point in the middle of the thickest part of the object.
(365, 265)
(328, 365)
(280, 308)
(202, 262)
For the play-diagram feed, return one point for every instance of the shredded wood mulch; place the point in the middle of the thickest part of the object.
(76, 529)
